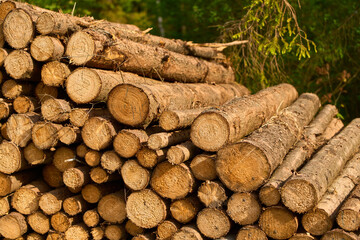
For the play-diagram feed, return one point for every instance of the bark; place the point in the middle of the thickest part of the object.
(303, 191)
(69, 135)
(99, 175)
(251, 233)
(92, 193)
(76, 177)
(91, 218)
(135, 176)
(339, 234)
(184, 210)
(61, 222)
(43, 92)
(103, 50)
(52, 176)
(278, 222)
(115, 232)
(5, 108)
(4, 206)
(13, 225)
(187, 232)
(39, 222)
(311, 140)
(92, 158)
(64, 158)
(213, 223)
(217, 127)
(178, 119)
(182, 152)
(139, 105)
(348, 217)
(85, 85)
(166, 229)
(78, 116)
(19, 65)
(166, 139)
(112, 207)
(12, 89)
(12, 159)
(45, 49)
(244, 208)
(51, 202)
(132, 229)
(256, 155)
(172, 181)
(45, 134)
(203, 167)
(55, 110)
(19, 127)
(320, 219)
(11, 183)
(24, 104)
(111, 162)
(54, 73)
(75, 205)
(212, 194)
(77, 232)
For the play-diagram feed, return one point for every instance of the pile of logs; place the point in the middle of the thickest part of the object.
(108, 132)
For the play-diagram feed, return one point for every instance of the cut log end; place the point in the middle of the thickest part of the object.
(45, 23)
(80, 56)
(97, 233)
(166, 229)
(188, 233)
(55, 110)
(339, 234)
(302, 236)
(251, 233)
(135, 176)
(348, 219)
(203, 167)
(110, 161)
(184, 210)
(213, 223)
(45, 48)
(54, 73)
(13, 225)
(4, 206)
(91, 218)
(23, 104)
(269, 196)
(212, 194)
(52, 176)
(64, 158)
(169, 120)
(39, 222)
(11, 157)
(77, 232)
(19, 64)
(126, 144)
(91, 193)
(132, 229)
(98, 133)
(44, 135)
(243, 208)
(112, 207)
(114, 232)
(76, 177)
(5, 185)
(317, 222)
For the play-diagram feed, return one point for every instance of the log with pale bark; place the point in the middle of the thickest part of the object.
(182, 152)
(348, 217)
(166, 139)
(46, 48)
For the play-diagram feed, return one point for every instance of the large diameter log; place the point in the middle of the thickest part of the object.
(187, 232)
(135, 176)
(152, 62)
(251, 233)
(112, 207)
(111, 162)
(12, 89)
(304, 190)
(45, 48)
(85, 85)
(320, 220)
(166, 139)
(19, 127)
(348, 217)
(92, 193)
(339, 234)
(13, 225)
(51, 202)
(212, 194)
(203, 167)
(270, 193)
(278, 222)
(149, 158)
(19, 65)
(139, 105)
(12, 159)
(166, 229)
(177, 119)
(39, 222)
(11, 183)
(184, 210)
(45, 134)
(244, 208)
(214, 128)
(54, 73)
(24, 104)
(213, 223)
(55, 110)
(255, 155)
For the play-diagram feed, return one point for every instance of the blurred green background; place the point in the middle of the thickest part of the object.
(312, 44)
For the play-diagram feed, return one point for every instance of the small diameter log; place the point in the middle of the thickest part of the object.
(24, 104)
(167, 139)
(139, 105)
(55, 236)
(61, 222)
(303, 191)
(112, 207)
(91, 218)
(19, 65)
(55, 23)
(43, 92)
(270, 193)
(115, 232)
(149, 158)
(76, 177)
(244, 208)
(39, 222)
(45, 134)
(203, 167)
(212, 194)
(13, 225)
(132, 229)
(54, 73)
(178, 119)
(145, 208)
(213, 223)
(45, 48)
(81, 150)
(278, 222)
(11, 183)
(110, 161)
(64, 158)
(4, 132)
(19, 127)
(85, 85)
(153, 62)
(92, 158)
(12, 159)
(92, 193)
(75, 205)
(78, 116)
(52, 176)
(302, 236)
(36, 156)
(97, 233)
(5, 108)
(188, 233)
(147, 236)
(320, 219)
(12, 89)
(4, 206)
(69, 135)
(182, 152)
(246, 165)
(348, 217)
(35, 236)
(77, 232)
(339, 234)
(166, 229)
(98, 133)
(26, 199)
(334, 127)
(99, 175)
(51, 202)
(55, 110)
(251, 233)
(172, 181)
(184, 210)
(3, 54)
(135, 176)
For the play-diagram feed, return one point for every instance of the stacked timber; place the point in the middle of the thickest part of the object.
(108, 132)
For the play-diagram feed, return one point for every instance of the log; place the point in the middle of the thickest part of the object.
(26, 199)
(251, 233)
(348, 217)
(303, 191)
(77, 232)
(112, 207)
(78, 116)
(244, 208)
(11, 183)
(178, 119)
(12, 89)
(213, 223)
(64, 159)
(5, 108)
(182, 152)
(187, 232)
(43, 92)
(4, 206)
(75, 205)
(19, 65)
(92, 158)
(92, 193)
(255, 154)
(339, 234)
(229, 123)
(52, 176)
(115, 232)
(46, 48)
(13, 225)
(81, 150)
(97, 233)
(39, 222)
(24, 104)
(99, 175)
(85, 85)
(334, 127)
(91, 218)
(149, 158)
(166, 139)
(12, 159)
(147, 236)
(212, 194)
(172, 181)
(278, 222)
(111, 162)
(55, 236)
(55, 110)
(3, 54)
(61, 222)
(35, 236)
(203, 167)
(52, 201)
(75, 178)
(105, 51)
(166, 229)
(184, 210)
(302, 236)
(132, 229)
(19, 127)
(45, 134)
(4, 132)
(98, 133)
(138, 105)
(36, 156)
(270, 193)
(320, 220)
(54, 73)
(135, 176)
(69, 135)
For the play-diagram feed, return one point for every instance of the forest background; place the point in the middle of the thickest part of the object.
(312, 44)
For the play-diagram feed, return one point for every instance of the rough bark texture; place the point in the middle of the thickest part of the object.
(182, 152)
(166, 139)
(227, 124)
(245, 166)
(44, 134)
(339, 234)
(348, 217)
(304, 190)
(19, 65)
(135, 176)
(203, 167)
(54, 73)
(45, 48)
(244, 208)
(311, 140)
(177, 119)
(213, 223)
(13, 225)
(149, 158)
(55, 110)
(112, 207)
(251, 233)
(184, 210)
(212, 194)
(139, 105)
(51, 202)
